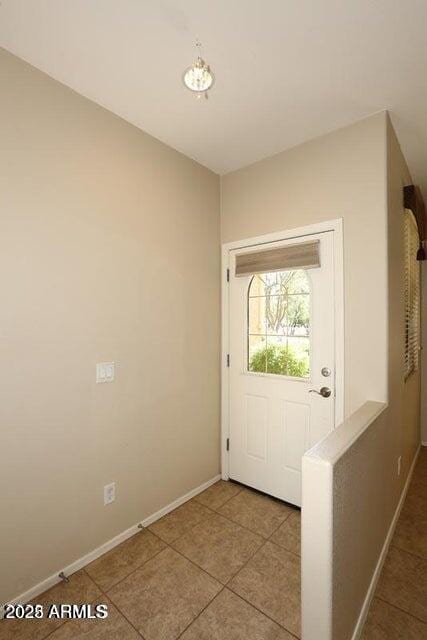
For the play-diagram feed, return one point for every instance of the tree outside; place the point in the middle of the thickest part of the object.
(279, 314)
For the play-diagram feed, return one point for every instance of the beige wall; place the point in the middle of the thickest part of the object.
(340, 175)
(404, 396)
(109, 251)
(362, 454)
(344, 522)
(350, 483)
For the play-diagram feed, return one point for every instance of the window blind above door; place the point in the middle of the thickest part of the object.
(304, 255)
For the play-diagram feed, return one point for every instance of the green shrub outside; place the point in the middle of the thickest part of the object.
(281, 360)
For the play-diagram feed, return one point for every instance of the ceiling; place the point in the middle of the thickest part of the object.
(286, 70)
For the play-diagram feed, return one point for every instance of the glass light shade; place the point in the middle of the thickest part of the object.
(198, 78)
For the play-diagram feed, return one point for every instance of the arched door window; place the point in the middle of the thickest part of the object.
(279, 324)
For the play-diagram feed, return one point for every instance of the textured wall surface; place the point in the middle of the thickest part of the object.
(344, 522)
(109, 251)
(361, 518)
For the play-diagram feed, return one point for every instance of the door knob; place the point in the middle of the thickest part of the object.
(325, 392)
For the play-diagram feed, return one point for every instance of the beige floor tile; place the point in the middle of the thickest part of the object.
(403, 582)
(229, 617)
(385, 622)
(164, 596)
(118, 563)
(421, 466)
(402, 588)
(79, 590)
(271, 581)
(288, 535)
(218, 494)
(115, 627)
(257, 512)
(411, 533)
(179, 521)
(416, 498)
(219, 546)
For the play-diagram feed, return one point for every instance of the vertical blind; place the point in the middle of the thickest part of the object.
(412, 295)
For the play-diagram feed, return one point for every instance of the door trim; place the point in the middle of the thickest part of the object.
(331, 225)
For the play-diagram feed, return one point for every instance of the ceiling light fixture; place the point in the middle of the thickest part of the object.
(199, 77)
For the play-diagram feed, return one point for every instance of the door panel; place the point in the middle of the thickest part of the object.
(281, 336)
(256, 426)
(296, 424)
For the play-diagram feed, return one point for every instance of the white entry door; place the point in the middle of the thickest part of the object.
(282, 361)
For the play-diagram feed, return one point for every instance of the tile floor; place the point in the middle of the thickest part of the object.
(399, 608)
(226, 566)
(223, 566)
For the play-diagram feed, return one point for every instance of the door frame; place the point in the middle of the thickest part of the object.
(338, 247)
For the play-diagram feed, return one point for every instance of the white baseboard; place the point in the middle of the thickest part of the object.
(371, 590)
(110, 544)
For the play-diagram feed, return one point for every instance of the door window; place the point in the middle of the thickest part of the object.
(279, 324)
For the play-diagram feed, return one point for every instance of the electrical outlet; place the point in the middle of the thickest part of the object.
(399, 465)
(109, 493)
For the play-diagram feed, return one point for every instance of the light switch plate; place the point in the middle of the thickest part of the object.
(104, 372)
(109, 493)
